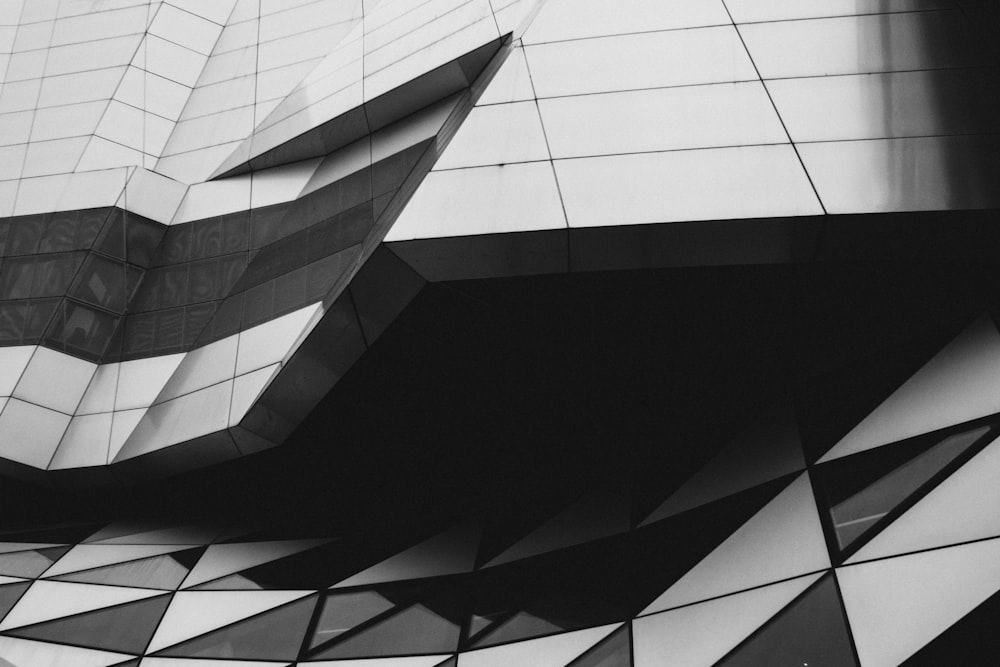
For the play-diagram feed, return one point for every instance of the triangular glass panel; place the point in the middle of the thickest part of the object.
(126, 628)
(10, 594)
(864, 493)
(274, 635)
(613, 651)
(429, 626)
(165, 572)
(29, 564)
(809, 631)
(345, 611)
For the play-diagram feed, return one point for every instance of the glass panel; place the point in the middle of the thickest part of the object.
(106, 283)
(9, 595)
(809, 631)
(78, 329)
(615, 651)
(276, 635)
(29, 564)
(127, 627)
(164, 572)
(345, 611)
(53, 273)
(858, 510)
(428, 627)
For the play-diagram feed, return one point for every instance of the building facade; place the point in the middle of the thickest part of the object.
(475, 333)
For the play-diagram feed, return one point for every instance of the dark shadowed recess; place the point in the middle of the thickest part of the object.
(521, 393)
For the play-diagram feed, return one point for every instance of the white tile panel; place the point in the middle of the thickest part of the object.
(246, 389)
(104, 154)
(91, 55)
(80, 87)
(511, 83)
(897, 605)
(29, 434)
(122, 425)
(20, 95)
(909, 174)
(58, 156)
(483, 200)
(497, 134)
(170, 61)
(181, 419)
(195, 166)
(731, 114)
(27, 652)
(26, 65)
(72, 120)
(153, 196)
(217, 11)
(55, 380)
(192, 613)
(33, 36)
(85, 442)
(202, 367)
(747, 11)
(100, 25)
(13, 361)
(100, 394)
(46, 600)
(575, 19)
(184, 28)
(208, 131)
(708, 184)
(204, 200)
(153, 93)
(12, 161)
(281, 184)
(16, 127)
(552, 651)
(141, 380)
(272, 341)
(645, 60)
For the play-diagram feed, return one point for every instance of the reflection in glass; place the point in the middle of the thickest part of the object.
(854, 515)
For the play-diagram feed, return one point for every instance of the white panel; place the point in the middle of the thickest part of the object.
(171, 61)
(46, 600)
(19, 96)
(141, 380)
(8, 193)
(192, 613)
(123, 124)
(53, 157)
(100, 395)
(181, 419)
(657, 120)
(89, 556)
(33, 36)
(80, 87)
(12, 161)
(645, 60)
(512, 83)
(71, 120)
(13, 361)
(246, 389)
(204, 200)
(341, 163)
(185, 28)
(153, 93)
(122, 425)
(955, 511)
(270, 342)
(69, 191)
(201, 367)
(961, 383)
(30, 434)
(218, 128)
(153, 196)
(91, 55)
(104, 154)
(780, 10)
(26, 65)
(497, 134)
(100, 25)
(897, 605)
(415, 661)
(768, 449)
(16, 129)
(413, 129)
(217, 11)
(484, 200)
(701, 634)
(782, 540)
(220, 560)
(55, 380)
(554, 651)
(709, 184)
(195, 166)
(575, 19)
(85, 442)
(913, 174)
(26, 652)
(451, 552)
(203, 662)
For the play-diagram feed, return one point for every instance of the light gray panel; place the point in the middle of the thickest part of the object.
(918, 174)
(709, 184)
(747, 11)
(856, 45)
(575, 19)
(644, 60)
(900, 104)
(662, 119)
